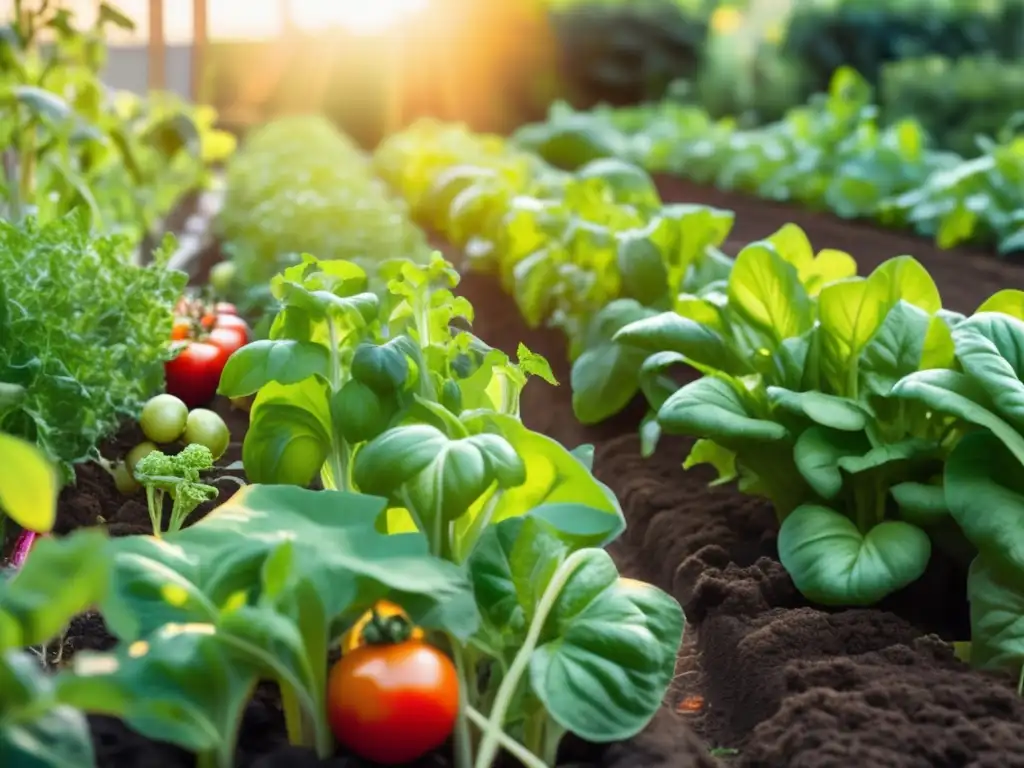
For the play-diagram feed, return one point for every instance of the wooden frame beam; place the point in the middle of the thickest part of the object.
(200, 38)
(157, 47)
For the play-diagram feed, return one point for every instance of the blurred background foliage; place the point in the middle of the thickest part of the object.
(956, 65)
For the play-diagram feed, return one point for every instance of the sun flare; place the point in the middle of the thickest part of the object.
(358, 16)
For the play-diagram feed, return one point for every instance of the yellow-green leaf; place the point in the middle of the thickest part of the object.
(766, 289)
(1009, 301)
(827, 267)
(28, 485)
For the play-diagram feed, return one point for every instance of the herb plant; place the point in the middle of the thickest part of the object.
(83, 334)
(179, 476)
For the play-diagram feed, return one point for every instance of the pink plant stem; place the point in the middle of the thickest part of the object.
(22, 547)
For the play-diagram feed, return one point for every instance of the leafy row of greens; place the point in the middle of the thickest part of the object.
(878, 424)
(586, 252)
(71, 142)
(299, 186)
(832, 154)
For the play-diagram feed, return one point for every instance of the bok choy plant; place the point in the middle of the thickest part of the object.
(798, 357)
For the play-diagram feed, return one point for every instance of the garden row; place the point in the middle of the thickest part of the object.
(876, 429)
(833, 154)
(213, 636)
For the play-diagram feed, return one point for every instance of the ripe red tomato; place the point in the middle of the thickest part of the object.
(393, 703)
(194, 374)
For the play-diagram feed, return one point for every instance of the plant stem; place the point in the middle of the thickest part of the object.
(338, 458)
(463, 743)
(155, 502)
(506, 692)
(510, 745)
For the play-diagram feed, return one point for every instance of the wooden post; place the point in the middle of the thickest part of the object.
(157, 48)
(200, 37)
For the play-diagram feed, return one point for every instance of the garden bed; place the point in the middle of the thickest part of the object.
(765, 678)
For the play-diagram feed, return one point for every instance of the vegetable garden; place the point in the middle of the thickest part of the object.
(635, 439)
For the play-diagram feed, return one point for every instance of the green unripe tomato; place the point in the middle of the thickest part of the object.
(222, 277)
(124, 480)
(163, 418)
(207, 428)
(138, 453)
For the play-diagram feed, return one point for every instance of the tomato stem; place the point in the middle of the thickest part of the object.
(386, 630)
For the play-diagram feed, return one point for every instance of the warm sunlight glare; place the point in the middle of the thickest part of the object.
(364, 17)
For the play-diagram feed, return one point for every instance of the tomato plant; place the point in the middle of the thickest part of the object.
(209, 338)
(393, 699)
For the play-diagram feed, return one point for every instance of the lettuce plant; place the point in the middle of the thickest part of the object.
(799, 356)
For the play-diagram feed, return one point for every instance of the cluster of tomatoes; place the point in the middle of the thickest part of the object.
(208, 335)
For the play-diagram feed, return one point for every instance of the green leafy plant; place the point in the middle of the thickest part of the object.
(980, 487)
(799, 357)
(538, 603)
(62, 578)
(344, 364)
(83, 334)
(584, 252)
(72, 144)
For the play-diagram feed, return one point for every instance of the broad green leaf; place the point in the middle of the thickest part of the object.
(606, 636)
(655, 381)
(813, 271)
(985, 493)
(710, 407)
(833, 563)
(36, 730)
(958, 395)
(852, 311)
(887, 453)
(385, 367)
(766, 290)
(817, 453)
(921, 504)
(28, 485)
(60, 579)
(289, 435)
(828, 410)
(283, 361)
(178, 685)
(604, 376)
(436, 478)
(671, 332)
(990, 347)
(604, 381)
(1009, 301)
(552, 476)
(896, 349)
(603, 636)
(997, 616)
(641, 267)
(579, 525)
